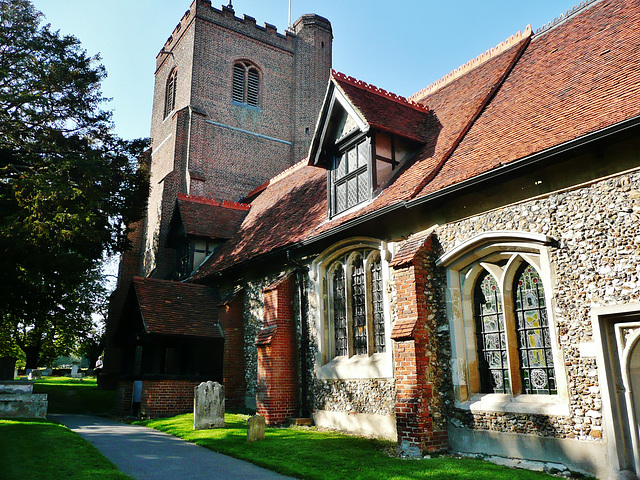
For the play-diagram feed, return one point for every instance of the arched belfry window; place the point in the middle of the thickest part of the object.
(170, 92)
(493, 365)
(246, 83)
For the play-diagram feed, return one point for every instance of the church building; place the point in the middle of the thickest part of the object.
(455, 271)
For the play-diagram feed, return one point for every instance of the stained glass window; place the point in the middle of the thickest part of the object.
(491, 336)
(534, 343)
(339, 312)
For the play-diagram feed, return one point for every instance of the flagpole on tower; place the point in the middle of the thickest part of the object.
(289, 14)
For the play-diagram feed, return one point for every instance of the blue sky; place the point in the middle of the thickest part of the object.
(401, 46)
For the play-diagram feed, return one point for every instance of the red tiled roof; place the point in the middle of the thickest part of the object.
(286, 212)
(206, 217)
(575, 79)
(579, 77)
(383, 110)
(172, 308)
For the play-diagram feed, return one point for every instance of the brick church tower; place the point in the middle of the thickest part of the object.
(234, 104)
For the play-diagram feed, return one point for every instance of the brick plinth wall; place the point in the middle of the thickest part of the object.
(230, 318)
(125, 393)
(419, 420)
(160, 398)
(278, 393)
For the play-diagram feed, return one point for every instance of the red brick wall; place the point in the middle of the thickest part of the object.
(418, 404)
(278, 394)
(160, 398)
(125, 392)
(230, 162)
(230, 317)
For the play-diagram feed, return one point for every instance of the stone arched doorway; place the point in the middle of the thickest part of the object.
(629, 339)
(617, 336)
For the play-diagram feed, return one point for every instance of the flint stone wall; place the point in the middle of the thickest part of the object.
(373, 396)
(597, 263)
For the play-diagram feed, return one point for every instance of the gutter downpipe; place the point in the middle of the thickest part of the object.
(301, 270)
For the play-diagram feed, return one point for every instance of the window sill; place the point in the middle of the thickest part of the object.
(377, 365)
(246, 105)
(525, 404)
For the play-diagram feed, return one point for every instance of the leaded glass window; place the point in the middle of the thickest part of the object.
(356, 303)
(534, 343)
(359, 313)
(491, 336)
(350, 177)
(339, 311)
(378, 305)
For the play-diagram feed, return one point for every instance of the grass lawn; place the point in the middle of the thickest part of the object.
(72, 395)
(320, 455)
(39, 449)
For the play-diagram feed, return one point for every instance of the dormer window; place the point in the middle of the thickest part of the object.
(354, 177)
(350, 177)
(363, 136)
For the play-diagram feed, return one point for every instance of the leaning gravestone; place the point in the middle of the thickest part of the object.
(255, 428)
(208, 406)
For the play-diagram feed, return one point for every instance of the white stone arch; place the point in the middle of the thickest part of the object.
(501, 254)
(377, 365)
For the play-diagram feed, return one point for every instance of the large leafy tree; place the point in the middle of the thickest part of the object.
(68, 186)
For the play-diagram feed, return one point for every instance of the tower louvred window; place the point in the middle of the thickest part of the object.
(246, 84)
(170, 92)
(253, 87)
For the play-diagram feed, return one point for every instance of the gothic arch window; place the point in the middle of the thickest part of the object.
(519, 325)
(170, 92)
(491, 335)
(534, 342)
(246, 83)
(352, 319)
(503, 339)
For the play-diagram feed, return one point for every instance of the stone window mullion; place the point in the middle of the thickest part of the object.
(513, 355)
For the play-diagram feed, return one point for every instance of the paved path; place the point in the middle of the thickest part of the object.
(147, 454)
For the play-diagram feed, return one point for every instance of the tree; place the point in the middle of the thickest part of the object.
(68, 186)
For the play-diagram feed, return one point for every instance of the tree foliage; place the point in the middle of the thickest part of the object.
(68, 186)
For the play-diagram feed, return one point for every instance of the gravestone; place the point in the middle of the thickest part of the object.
(7, 368)
(255, 428)
(208, 406)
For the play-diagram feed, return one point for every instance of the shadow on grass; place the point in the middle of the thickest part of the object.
(324, 455)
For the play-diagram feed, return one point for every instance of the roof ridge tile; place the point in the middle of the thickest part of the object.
(565, 16)
(471, 64)
(379, 91)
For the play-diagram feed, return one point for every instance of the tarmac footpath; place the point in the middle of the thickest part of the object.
(147, 454)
